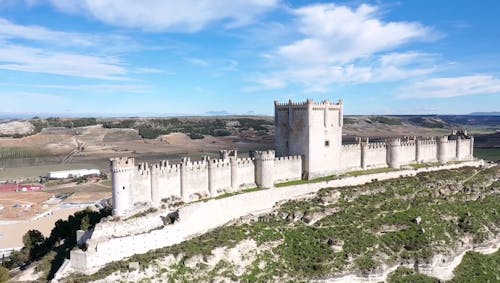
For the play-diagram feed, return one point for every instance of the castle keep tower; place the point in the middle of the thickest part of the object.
(122, 174)
(312, 130)
(264, 168)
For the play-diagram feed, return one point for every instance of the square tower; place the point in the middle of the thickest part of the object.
(312, 130)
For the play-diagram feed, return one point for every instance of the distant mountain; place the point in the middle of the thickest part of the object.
(217, 113)
(485, 114)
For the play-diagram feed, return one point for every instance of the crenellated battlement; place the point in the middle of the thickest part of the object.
(375, 145)
(442, 139)
(122, 162)
(290, 103)
(393, 141)
(123, 170)
(228, 153)
(264, 155)
(288, 158)
(427, 142)
(143, 166)
(302, 105)
(165, 167)
(195, 165)
(244, 161)
(218, 163)
(351, 146)
(408, 143)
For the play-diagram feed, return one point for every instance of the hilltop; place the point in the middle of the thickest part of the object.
(423, 223)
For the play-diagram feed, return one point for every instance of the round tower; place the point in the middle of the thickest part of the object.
(471, 149)
(234, 173)
(442, 145)
(418, 151)
(264, 168)
(393, 153)
(122, 169)
(364, 147)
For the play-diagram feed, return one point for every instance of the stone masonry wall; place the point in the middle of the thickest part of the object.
(199, 217)
(376, 155)
(351, 157)
(287, 168)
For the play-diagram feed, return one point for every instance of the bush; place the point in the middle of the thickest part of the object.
(4, 274)
(196, 136)
(151, 133)
(386, 120)
(221, 133)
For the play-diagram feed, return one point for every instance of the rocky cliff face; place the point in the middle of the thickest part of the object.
(16, 128)
(425, 223)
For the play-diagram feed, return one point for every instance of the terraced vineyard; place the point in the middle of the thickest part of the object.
(352, 230)
(17, 152)
(10, 155)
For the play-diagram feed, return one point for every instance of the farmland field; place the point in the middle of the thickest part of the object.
(490, 154)
(17, 152)
(35, 171)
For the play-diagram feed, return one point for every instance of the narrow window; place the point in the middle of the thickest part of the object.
(286, 144)
(327, 143)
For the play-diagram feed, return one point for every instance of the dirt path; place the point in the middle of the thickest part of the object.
(11, 235)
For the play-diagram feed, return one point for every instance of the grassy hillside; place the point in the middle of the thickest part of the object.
(350, 230)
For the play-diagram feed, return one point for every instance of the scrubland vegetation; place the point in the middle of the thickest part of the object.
(48, 253)
(350, 230)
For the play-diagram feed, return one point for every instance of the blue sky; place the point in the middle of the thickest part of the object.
(122, 57)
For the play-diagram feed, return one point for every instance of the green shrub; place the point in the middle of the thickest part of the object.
(4, 274)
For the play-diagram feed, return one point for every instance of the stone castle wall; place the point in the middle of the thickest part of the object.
(115, 240)
(351, 157)
(375, 155)
(287, 168)
(137, 187)
(308, 145)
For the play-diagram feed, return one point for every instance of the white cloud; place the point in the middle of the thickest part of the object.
(26, 59)
(169, 15)
(9, 30)
(151, 71)
(452, 86)
(102, 42)
(99, 88)
(65, 53)
(339, 44)
(339, 34)
(197, 61)
(320, 77)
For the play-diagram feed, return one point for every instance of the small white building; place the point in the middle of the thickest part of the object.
(73, 173)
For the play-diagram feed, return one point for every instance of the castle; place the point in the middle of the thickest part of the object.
(308, 145)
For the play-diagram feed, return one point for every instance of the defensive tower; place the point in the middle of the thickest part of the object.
(312, 130)
(393, 153)
(122, 171)
(264, 168)
(442, 149)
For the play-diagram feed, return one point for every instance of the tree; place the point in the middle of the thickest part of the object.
(33, 243)
(4, 274)
(16, 258)
(85, 224)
